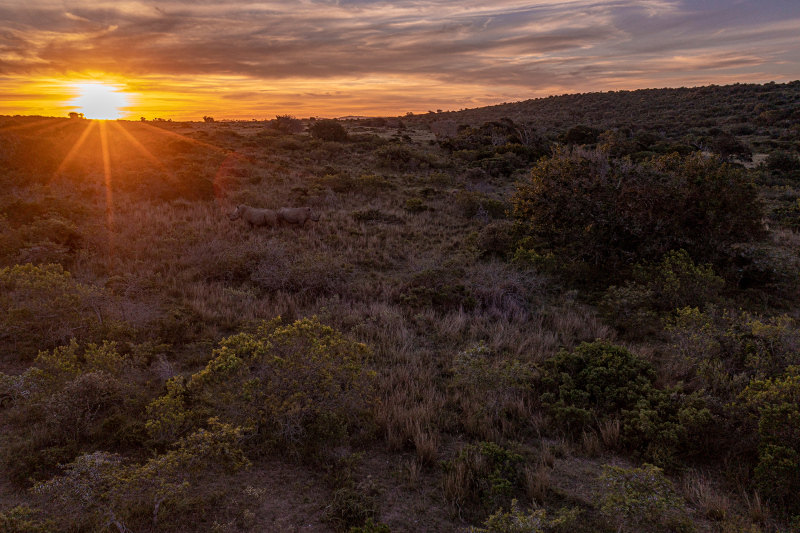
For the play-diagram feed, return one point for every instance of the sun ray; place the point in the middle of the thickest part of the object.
(29, 125)
(139, 146)
(185, 138)
(109, 192)
(75, 147)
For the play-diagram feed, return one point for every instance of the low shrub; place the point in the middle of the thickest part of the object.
(486, 473)
(775, 404)
(340, 183)
(599, 381)
(398, 157)
(636, 499)
(610, 214)
(438, 289)
(723, 351)
(42, 305)
(100, 489)
(471, 203)
(656, 289)
(515, 520)
(23, 519)
(328, 130)
(302, 384)
(415, 205)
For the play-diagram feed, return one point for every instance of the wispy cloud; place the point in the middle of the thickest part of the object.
(411, 54)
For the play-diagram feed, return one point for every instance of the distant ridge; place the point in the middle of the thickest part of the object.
(658, 109)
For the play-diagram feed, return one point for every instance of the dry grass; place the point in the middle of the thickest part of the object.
(756, 508)
(427, 446)
(547, 456)
(698, 490)
(537, 483)
(590, 443)
(610, 431)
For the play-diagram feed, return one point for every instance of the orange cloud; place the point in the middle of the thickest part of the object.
(183, 60)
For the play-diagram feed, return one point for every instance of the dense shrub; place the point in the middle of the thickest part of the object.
(780, 161)
(676, 281)
(610, 214)
(723, 351)
(486, 473)
(473, 203)
(439, 289)
(600, 381)
(287, 124)
(300, 384)
(42, 305)
(328, 130)
(775, 403)
(580, 135)
(23, 519)
(635, 498)
(515, 520)
(100, 490)
(398, 157)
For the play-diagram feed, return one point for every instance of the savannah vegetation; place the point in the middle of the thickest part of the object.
(575, 313)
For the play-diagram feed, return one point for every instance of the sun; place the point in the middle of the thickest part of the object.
(99, 101)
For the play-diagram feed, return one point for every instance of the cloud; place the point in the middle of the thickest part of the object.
(506, 47)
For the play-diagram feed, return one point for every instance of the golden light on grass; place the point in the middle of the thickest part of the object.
(100, 101)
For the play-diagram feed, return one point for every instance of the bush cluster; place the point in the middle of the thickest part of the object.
(610, 214)
(600, 381)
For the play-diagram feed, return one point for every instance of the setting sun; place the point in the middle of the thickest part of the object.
(99, 101)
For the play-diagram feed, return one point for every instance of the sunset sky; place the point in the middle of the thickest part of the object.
(243, 60)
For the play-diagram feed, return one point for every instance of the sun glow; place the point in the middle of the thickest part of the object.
(99, 101)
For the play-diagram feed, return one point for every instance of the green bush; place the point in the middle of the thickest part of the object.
(600, 381)
(328, 130)
(635, 498)
(775, 403)
(782, 162)
(100, 489)
(438, 289)
(43, 305)
(611, 214)
(676, 281)
(341, 182)
(300, 384)
(398, 157)
(485, 472)
(23, 519)
(415, 205)
(535, 521)
(724, 351)
(472, 203)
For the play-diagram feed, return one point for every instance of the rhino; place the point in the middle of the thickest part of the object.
(254, 216)
(296, 215)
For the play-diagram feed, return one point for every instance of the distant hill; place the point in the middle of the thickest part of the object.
(737, 108)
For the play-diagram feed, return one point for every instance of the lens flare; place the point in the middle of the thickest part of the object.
(99, 101)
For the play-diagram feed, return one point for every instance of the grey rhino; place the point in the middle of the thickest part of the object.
(254, 216)
(296, 215)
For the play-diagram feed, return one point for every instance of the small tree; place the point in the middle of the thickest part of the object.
(208, 119)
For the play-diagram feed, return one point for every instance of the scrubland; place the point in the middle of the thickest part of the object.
(577, 313)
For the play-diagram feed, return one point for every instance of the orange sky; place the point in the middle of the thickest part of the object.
(243, 60)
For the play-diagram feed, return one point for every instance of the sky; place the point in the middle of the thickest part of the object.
(244, 60)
